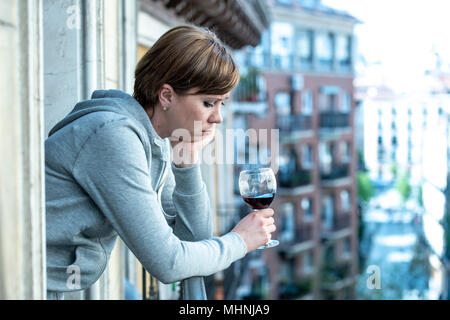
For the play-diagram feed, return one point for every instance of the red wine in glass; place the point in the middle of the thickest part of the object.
(259, 202)
(258, 187)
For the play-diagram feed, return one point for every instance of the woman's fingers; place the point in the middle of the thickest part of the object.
(269, 221)
(271, 228)
(266, 213)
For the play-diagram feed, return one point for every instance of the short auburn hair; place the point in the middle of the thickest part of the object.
(185, 57)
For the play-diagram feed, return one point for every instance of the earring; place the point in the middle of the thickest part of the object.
(165, 108)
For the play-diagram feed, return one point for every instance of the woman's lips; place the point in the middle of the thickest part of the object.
(205, 132)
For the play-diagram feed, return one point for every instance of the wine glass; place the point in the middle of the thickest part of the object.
(258, 187)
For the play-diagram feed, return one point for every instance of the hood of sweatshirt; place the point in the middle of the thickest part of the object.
(111, 101)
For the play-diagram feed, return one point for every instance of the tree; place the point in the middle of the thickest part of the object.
(365, 192)
(365, 188)
(403, 187)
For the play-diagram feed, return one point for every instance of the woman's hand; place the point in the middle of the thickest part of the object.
(186, 151)
(256, 228)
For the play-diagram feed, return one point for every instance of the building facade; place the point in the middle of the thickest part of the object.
(299, 80)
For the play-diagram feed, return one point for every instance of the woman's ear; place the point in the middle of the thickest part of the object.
(166, 95)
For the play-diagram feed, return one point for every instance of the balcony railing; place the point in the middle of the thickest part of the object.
(294, 179)
(337, 171)
(293, 123)
(336, 276)
(340, 222)
(303, 233)
(289, 62)
(251, 87)
(291, 290)
(334, 120)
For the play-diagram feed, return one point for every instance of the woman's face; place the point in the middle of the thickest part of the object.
(197, 113)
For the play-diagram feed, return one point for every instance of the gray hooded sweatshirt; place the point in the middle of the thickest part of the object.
(109, 174)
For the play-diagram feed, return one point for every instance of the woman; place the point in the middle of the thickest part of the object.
(110, 172)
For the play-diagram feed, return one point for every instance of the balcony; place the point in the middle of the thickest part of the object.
(294, 179)
(295, 290)
(303, 233)
(250, 95)
(334, 120)
(341, 227)
(338, 171)
(336, 277)
(294, 126)
(300, 241)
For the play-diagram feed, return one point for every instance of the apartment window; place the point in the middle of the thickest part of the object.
(282, 35)
(346, 102)
(304, 47)
(307, 209)
(393, 126)
(328, 102)
(345, 152)
(324, 49)
(347, 252)
(329, 254)
(287, 221)
(307, 103)
(287, 268)
(257, 58)
(325, 156)
(343, 50)
(328, 212)
(308, 262)
(345, 200)
(328, 98)
(307, 156)
(394, 141)
(282, 103)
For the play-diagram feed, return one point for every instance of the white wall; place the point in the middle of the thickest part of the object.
(22, 225)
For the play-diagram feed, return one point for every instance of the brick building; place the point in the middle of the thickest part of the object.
(300, 80)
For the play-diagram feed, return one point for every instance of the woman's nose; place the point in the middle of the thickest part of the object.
(216, 116)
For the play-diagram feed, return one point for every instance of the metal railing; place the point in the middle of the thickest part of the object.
(337, 171)
(332, 120)
(291, 61)
(340, 221)
(293, 123)
(294, 179)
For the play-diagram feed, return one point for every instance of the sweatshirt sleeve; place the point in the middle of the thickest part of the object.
(112, 169)
(185, 199)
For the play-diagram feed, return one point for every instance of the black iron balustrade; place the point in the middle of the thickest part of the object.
(293, 179)
(293, 123)
(303, 233)
(333, 120)
(337, 171)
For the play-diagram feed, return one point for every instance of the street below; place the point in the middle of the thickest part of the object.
(395, 264)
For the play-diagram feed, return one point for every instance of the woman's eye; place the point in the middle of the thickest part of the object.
(208, 104)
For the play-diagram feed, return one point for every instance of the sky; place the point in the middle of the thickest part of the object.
(400, 34)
